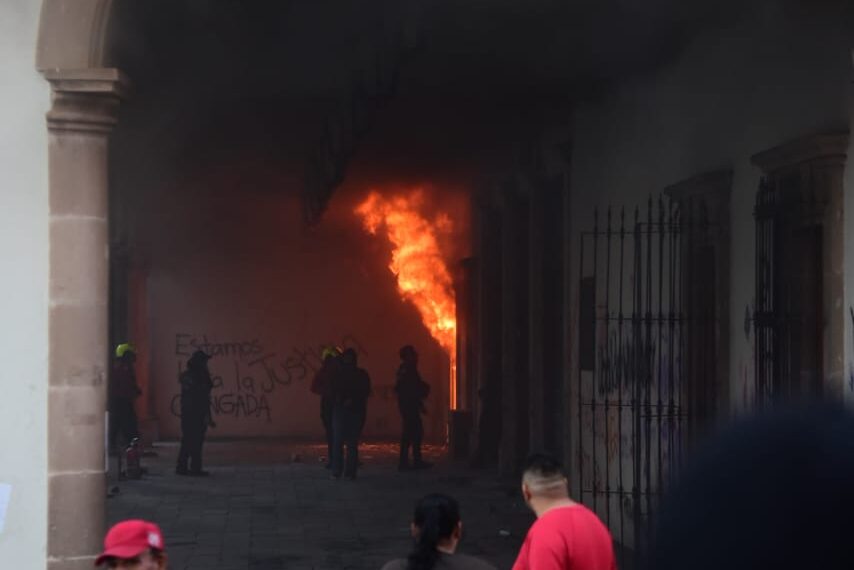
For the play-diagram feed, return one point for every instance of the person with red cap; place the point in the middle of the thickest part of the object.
(135, 545)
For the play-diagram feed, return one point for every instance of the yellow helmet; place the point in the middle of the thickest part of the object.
(331, 352)
(124, 348)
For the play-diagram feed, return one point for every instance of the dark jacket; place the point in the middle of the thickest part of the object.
(196, 385)
(352, 388)
(411, 390)
(123, 385)
(324, 380)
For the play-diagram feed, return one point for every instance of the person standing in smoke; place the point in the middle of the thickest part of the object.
(123, 391)
(322, 385)
(351, 389)
(411, 392)
(196, 385)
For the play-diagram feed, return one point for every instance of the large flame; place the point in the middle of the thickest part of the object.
(417, 261)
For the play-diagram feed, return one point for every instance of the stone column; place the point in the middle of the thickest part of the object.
(569, 328)
(478, 308)
(514, 328)
(536, 308)
(565, 432)
(460, 425)
(509, 277)
(79, 122)
(487, 306)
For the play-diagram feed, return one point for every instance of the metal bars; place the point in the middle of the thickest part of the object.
(635, 353)
(767, 317)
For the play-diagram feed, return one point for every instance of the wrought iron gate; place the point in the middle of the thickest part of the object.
(639, 346)
(766, 316)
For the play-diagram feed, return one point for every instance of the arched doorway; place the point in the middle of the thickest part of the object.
(87, 91)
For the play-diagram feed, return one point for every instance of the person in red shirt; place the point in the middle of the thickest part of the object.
(566, 535)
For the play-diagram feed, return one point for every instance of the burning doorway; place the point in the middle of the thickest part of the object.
(419, 264)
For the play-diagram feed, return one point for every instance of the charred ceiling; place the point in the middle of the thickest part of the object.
(308, 84)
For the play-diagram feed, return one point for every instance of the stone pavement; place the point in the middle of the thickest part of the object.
(272, 505)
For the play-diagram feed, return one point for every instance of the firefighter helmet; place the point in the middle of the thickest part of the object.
(124, 348)
(330, 352)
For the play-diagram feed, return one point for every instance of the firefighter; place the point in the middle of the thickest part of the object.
(196, 385)
(351, 390)
(123, 391)
(411, 392)
(322, 386)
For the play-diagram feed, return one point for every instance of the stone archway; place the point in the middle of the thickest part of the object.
(85, 98)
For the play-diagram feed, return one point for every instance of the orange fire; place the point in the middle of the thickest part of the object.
(417, 261)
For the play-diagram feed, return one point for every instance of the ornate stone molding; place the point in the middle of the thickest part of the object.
(704, 197)
(85, 101)
(830, 146)
(707, 184)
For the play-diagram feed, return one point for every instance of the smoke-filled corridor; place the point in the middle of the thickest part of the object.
(592, 235)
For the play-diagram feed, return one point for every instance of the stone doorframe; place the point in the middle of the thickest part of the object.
(818, 163)
(704, 206)
(85, 99)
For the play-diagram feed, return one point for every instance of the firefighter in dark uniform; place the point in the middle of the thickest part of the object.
(196, 385)
(351, 390)
(411, 392)
(322, 386)
(123, 391)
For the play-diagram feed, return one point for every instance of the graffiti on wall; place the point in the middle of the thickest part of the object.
(246, 373)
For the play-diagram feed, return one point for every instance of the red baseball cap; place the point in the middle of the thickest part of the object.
(130, 538)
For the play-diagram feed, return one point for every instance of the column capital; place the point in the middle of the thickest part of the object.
(831, 147)
(85, 100)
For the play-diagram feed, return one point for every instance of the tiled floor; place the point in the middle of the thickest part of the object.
(272, 505)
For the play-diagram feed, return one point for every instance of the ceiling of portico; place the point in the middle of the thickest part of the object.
(209, 77)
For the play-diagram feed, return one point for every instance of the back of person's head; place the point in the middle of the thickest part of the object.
(775, 491)
(436, 518)
(198, 360)
(543, 476)
(126, 352)
(408, 354)
(329, 354)
(350, 357)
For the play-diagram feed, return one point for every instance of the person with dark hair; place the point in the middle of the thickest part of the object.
(437, 528)
(322, 385)
(351, 390)
(566, 535)
(772, 492)
(133, 545)
(196, 386)
(411, 392)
